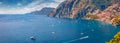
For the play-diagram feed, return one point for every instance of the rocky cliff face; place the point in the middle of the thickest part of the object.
(111, 11)
(79, 8)
(109, 15)
(102, 10)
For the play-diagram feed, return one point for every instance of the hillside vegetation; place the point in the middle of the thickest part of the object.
(116, 39)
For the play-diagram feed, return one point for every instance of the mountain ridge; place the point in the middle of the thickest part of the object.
(43, 11)
(79, 8)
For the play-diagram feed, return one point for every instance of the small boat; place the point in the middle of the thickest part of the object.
(32, 38)
(53, 32)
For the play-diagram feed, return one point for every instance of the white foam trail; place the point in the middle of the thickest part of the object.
(85, 37)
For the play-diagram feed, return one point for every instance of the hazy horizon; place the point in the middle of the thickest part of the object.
(25, 6)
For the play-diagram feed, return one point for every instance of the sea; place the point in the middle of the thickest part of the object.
(19, 28)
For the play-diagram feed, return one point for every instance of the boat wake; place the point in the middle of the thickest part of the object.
(85, 37)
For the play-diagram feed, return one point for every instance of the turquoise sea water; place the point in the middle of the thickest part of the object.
(19, 29)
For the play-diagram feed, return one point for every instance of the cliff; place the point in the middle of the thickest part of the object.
(109, 15)
(102, 10)
(79, 8)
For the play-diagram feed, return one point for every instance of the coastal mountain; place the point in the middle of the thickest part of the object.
(43, 11)
(110, 15)
(102, 10)
(78, 8)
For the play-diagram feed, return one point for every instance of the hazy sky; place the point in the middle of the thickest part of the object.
(25, 6)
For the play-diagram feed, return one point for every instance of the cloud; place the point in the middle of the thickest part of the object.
(59, 0)
(0, 2)
(34, 6)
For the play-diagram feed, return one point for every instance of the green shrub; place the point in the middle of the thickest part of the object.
(116, 39)
(116, 19)
(91, 16)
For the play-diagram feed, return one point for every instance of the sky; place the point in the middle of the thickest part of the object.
(26, 6)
